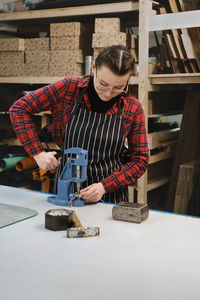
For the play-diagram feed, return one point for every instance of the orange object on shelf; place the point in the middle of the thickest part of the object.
(25, 164)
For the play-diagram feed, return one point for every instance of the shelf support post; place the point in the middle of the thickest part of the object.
(144, 9)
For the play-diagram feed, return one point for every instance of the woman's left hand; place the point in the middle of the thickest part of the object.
(93, 192)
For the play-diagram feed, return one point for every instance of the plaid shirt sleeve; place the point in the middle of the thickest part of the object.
(137, 148)
(43, 99)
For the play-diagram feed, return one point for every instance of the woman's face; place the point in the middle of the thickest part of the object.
(107, 84)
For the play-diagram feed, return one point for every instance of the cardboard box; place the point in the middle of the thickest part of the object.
(18, 6)
(69, 43)
(36, 44)
(100, 40)
(12, 44)
(107, 25)
(67, 70)
(65, 43)
(12, 57)
(96, 52)
(37, 56)
(70, 29)
(12, 63)
(36, 69)
(11, 70)
(66, 56)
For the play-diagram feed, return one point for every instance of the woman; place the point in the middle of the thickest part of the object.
(95, 114)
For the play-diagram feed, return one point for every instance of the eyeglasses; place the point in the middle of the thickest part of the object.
(105, 88)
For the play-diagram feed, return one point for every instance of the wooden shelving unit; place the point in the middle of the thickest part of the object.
(149, 83)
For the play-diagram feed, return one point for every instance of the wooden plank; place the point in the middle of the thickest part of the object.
(31, 79)
(121, 7)
(188, 146)
(143, 82)
(172, 46)
(167, 152)
(171, 113)
(156, 139)
(191, 78)
(188, 44)
(187, 19)
(144, 7)
(46, 79)
(184, 187)
(173, 6)
(157, 182)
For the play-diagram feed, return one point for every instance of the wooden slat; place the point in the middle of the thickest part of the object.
(192, 78)
(184, 187)
(187, 19)
(188, 146)
(157, 182)
(128, 6)
(168, 151)
(144, 7)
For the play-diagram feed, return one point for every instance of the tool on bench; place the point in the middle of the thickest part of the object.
(79, 231)
(65, 219)
(74, 172)
(131, 212)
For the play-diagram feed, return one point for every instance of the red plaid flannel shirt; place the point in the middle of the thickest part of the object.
(60, 98)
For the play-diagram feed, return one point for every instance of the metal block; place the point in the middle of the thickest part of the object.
(131, 212)
(82, 232)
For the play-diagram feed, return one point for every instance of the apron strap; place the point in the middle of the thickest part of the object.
(78, 102)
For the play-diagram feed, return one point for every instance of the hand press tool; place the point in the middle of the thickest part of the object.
(74, 172)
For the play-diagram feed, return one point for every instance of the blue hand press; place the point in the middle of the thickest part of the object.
(74, 171)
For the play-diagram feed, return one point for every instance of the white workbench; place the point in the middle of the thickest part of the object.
(158, 259)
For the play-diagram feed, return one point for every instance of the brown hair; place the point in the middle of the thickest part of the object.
(117, 58)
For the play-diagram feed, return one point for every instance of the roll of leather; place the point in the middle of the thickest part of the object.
(9, 163)
(25, 164)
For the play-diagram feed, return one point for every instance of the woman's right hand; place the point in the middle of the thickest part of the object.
(46, 160)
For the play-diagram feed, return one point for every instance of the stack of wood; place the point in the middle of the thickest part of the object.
(179, 50)
(188, 146)
(69, 43)
(37, 57)
(108, 32)
(12, 56)
(194, 33)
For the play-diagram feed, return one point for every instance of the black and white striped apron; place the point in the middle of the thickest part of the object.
(102, 136)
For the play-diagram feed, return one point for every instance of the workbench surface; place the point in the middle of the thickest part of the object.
(158, 259)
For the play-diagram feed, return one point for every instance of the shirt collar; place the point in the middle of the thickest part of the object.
(84, 81)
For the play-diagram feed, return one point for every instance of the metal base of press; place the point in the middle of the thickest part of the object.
(63, 202)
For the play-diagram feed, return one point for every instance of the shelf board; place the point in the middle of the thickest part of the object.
(160, 156)
(43, 113)
(120, 7)
(157, 182)
(168, 151)
(181, 78)
(172, 113)
(193, 78)
(31, 79)
(16, 142)
(45, 79)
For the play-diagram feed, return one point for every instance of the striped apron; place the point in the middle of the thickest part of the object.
(102, 136)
